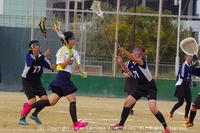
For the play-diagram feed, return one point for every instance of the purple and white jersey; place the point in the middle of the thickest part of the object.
(140, 73)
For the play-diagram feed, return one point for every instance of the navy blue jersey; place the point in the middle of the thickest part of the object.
(196, 71)
(141, 73)
(183, 72)
(127, 64)
(33, 69)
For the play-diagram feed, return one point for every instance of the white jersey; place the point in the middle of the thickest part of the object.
(62, 55)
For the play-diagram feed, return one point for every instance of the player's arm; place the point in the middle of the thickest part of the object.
(131, 57)
(41, 58)
(123, 66)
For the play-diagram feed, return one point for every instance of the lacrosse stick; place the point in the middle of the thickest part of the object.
(95, 7)
(189, 46)
(61, 35)
(44, 31)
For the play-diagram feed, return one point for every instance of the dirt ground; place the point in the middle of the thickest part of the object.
(99, 112)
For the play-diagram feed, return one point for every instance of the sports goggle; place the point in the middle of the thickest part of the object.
(72, 38)
(35, 45)
(137, 50)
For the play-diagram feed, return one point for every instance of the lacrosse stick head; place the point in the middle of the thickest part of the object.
(95, 7)
(189, 46)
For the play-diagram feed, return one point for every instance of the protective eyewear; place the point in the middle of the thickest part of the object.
(72, 38)
(35, 45)
(137, 50)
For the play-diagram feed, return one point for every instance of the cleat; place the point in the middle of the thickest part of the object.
(117, 127)
(166, 130)
(23, 122)
(25, 110)
(186, 118)
(170, 116)
(36, 119)
(188, 124)
(78, 125)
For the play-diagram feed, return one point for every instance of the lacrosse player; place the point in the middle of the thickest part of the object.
(146, 86)
(196, 103)
(183, 83)
(66, 59)
(31, 79)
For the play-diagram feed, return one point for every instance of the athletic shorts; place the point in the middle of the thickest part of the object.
(196, 102)
(33, 88)
(183, 91)
(148, 90)
(62, 85)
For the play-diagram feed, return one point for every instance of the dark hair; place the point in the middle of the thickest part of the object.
(140, 47)
(67, 34)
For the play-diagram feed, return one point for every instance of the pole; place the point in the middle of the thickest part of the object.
(158, 39)
(134, 23)
(67, 16)
(116, 38)
(75, 15)
(178, 39)
(33, 14)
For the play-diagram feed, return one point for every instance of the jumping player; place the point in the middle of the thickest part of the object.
(66, 59)
(31, 79)
(146, 86)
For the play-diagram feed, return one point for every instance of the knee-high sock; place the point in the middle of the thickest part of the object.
(39, 106)
(72, 111)
(124, 116)
(177, 105)
(192, 115)
(161, 119)
(188, 105)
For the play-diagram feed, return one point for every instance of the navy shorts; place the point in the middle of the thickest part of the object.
(148, 90)
(33, 88)
(196, 102)
(62, 85)
(183, 91)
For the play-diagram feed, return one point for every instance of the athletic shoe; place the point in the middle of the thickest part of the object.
(188, 124)
(23, 122)
(36, 119)
(117, 127)
(170, 116)
(79, 124)
(26, 109)
(186, 118)
(166, 130)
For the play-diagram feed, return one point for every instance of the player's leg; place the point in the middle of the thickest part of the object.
(187, 107)
(130, 100)
(176, 106)
(131, 108)
(27, 108)
(73, 112)
(193, 111)
(158, 114)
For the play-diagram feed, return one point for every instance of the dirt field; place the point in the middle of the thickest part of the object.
(99, 112)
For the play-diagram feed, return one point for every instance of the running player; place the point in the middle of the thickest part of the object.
(66, 59)
(31, 79)
(146, 86)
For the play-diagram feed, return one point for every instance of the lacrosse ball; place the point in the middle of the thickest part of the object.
(57, 28)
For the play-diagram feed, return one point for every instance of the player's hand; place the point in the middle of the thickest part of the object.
(193, 84)
(71, 54)
(47, 53)
(119, 59)
(84, 75)
(195, 60)
(52, 66)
